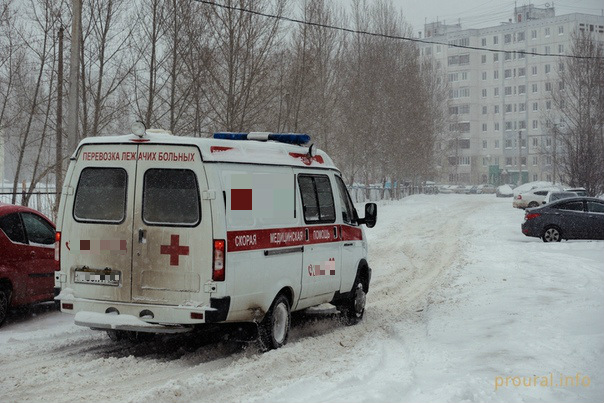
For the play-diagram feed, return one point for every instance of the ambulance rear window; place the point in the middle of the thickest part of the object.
(171, 197)
(101, 195)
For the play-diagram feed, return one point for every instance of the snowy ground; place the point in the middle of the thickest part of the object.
(460, 304)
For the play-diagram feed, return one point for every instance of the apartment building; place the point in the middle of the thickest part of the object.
(501, 118)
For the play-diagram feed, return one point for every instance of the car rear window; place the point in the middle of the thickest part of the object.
(574, 206)
(101, 195)
(13, 228)
(171, 197)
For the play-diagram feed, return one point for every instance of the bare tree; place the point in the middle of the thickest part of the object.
(579, 102)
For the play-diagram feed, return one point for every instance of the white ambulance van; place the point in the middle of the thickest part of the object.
(163, 234)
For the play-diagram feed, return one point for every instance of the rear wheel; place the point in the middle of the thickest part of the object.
(4, 294)
(533, 204)
(274, 328)
(551, 234)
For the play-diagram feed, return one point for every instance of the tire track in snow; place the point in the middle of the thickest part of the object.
(410, 262)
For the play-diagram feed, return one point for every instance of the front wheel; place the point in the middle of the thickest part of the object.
(551, 234)
(354, 309)
(274, 328)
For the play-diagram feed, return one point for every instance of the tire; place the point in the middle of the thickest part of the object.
(533, 204)
(354, 308)
(274, 328)
(551, 234)
(4, 295)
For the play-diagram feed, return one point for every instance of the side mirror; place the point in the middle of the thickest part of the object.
(370, 215)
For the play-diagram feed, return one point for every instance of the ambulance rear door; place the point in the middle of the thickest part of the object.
(172, 228)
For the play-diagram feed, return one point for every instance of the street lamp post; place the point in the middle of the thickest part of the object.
(554, 160)
(519, 157)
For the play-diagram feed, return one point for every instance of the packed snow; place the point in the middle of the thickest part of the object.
(462, 308)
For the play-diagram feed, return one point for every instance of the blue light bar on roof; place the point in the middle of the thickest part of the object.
(289, 138)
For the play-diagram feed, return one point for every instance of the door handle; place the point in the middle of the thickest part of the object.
(142, 235)
(348, 244)
(32, 253)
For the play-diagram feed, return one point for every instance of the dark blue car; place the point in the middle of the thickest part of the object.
(573, 218)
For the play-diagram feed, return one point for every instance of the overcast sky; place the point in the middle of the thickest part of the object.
(482, 13)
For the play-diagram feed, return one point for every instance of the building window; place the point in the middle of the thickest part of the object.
(484, 127)
(464, 59)
(496, 143)
(535, 125)
(535, 142)
(520, 36)
(464, 75)
(548, 86)
(561, 30)
(484, 143)
(535, 106)
(521, 55)
(484, 110)
(521, 89)
(484, 41)
(496, 92)
(521, 105)
(495, 40)
(521, 72)
(560, 67)
(560, 48)
(522, 125)
(547, 31)
(508, 161)
(484, 75)
(508, 56)
(484, 92)
(534, 88)
(508, 126)
(495, 57)
(547, 50)
(507, 38)
(561, 85)
(548, 105)
(508, 91)
(548, 68)
(534, 34)
(533, 51)
(535, 162)
(497, 129)
(483, 58)
(496, 109)
(496, 74)
(507, 73)
(534, 70)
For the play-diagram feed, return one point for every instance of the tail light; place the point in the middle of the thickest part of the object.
(218, 261)
(57, 250)
(519, 197)
(530, 216)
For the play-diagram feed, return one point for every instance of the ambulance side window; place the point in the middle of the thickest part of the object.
(101, 195)
(317, 198)
(171, 197)
(346, 206)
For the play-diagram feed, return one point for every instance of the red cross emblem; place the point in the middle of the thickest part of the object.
(174, 249)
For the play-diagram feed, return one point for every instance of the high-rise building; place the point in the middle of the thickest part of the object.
(500, 104)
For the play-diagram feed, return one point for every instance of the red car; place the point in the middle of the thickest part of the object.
(27, 264)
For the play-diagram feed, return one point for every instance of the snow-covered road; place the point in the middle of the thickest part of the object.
(461, 304)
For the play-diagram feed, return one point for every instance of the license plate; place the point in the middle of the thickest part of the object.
(102, 277)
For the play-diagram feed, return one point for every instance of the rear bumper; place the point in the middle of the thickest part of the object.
(110, 315)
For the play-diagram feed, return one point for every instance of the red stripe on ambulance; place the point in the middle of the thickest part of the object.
(238, 241)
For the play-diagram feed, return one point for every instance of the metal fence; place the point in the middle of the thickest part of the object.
(42, 199)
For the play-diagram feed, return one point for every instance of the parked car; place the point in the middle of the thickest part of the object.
(533, 198)
(578, 191)
(573, 218)
(486, 188)
(27, 267)
(504, 191)
(553, 195)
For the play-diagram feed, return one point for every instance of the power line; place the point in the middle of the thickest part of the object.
(375, 34)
